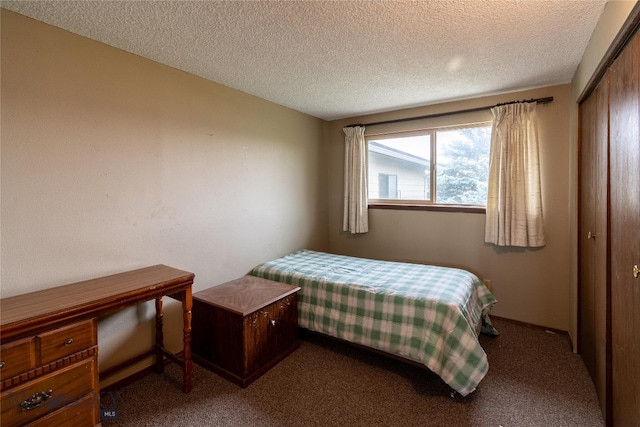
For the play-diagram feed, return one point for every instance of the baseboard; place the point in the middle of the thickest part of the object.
(531, 325)
(135, 376)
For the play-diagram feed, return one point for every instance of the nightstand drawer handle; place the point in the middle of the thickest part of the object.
(2, 365)
(68, 342)
(36, 400)
(273, 323)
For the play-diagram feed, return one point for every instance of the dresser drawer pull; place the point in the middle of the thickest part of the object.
(2, 365)
(68, 342)
(36, 400)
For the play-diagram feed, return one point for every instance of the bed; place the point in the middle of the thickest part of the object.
(426, 314)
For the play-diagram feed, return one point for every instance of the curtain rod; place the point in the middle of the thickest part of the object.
(470, 110)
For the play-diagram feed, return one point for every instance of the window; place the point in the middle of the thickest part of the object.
(447, 166)
(388, 186)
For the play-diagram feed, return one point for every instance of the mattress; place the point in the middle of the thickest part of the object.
(427, 314)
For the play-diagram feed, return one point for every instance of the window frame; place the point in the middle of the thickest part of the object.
(426, 205)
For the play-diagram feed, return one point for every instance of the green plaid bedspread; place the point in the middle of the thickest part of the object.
(419, 312)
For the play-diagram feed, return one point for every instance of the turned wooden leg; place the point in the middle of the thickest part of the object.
(187, 304)
(159, 337)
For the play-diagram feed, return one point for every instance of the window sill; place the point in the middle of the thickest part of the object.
(433, 208)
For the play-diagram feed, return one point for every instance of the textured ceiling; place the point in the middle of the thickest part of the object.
(337, 59)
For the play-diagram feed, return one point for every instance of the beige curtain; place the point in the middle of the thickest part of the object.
(356, 216)
(514, 201)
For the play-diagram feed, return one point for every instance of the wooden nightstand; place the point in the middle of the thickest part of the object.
(243, 328)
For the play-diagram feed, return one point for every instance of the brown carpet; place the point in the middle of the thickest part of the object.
(534, 380)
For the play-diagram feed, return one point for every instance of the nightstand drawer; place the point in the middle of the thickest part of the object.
(62, 342)
(17, 357)
(48, 393)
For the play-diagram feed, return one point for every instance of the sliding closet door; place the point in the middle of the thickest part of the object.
(625, 233)
(593, 290)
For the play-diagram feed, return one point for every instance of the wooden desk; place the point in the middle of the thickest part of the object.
(28, 315)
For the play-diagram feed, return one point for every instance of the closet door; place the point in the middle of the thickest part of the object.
(593, 291)
(625, 233)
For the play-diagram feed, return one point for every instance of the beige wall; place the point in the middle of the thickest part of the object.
(613, 17)
(112, 162)
(530, 285)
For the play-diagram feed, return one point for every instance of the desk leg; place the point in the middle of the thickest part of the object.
(159, 368)
(187, 304)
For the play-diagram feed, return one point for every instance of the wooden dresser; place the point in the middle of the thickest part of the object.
(49, 347)
(51, 377)
(244, 327)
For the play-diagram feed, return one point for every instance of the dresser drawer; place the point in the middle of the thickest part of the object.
(62, 342)
(29, 401)
(17, 357)
(82, 413)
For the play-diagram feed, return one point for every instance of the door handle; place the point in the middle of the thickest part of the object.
(636, 271)
(591, 236)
